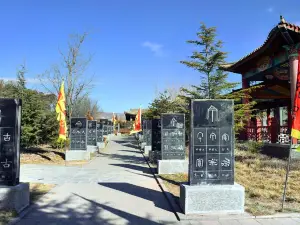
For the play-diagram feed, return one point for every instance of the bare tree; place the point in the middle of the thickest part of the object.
(72, 71)
(85, 105)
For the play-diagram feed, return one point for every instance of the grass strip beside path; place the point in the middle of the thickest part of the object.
(263, 178)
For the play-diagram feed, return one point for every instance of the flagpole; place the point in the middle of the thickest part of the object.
(287, 175)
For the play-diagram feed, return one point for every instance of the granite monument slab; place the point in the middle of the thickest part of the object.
(212, 142)
(173, 136)
(10, 126)
(92, 133)
(78, 134)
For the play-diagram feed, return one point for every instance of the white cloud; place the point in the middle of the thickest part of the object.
(154, 47)
(270, 9)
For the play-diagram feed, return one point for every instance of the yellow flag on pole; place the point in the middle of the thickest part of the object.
(61, 111)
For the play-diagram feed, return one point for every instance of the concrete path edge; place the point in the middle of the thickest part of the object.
(183, 216)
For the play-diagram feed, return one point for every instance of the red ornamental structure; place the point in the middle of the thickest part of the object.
(274, 65)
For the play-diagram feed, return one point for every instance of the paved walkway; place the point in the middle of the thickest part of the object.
(115, 188)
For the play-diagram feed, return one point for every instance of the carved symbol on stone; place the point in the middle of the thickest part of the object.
(6, 164)
(225, 137)
(213, 162)
(199, 163)
(78, 124)
(225, 175)
(6, 137)
(213, 136)
(225, 162)
(212, 113)
(82, 142)
(212, 175)
(200, 136)
(173, 122)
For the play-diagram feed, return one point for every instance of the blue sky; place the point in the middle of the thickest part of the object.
(137, 45)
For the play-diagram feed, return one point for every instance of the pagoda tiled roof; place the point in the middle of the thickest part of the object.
(273, 33)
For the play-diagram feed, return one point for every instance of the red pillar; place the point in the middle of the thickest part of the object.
(268, 117)
(243, 134)
(293, 67)
(245, 85)
(258, 129)
(274, 130)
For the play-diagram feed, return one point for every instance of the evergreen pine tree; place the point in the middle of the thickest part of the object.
(214, 82)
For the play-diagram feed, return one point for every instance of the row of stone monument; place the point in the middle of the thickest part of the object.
(87, 136)
(209, 161)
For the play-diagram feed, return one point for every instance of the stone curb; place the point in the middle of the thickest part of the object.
(205, 217)
(175, 208)
(28, 209)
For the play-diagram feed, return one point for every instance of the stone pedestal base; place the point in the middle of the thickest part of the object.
(154, 156)
(212, 199)
(140, 138)
(92, 149)
(143, 144)
(73, 155)
(119, 134)
(100, 145)
(146, 150)
(173, 166)
(14, 197)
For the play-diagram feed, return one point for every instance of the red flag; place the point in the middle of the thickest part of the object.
(137, 127)
(296, 111)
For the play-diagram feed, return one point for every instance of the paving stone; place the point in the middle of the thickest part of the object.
(248, 222)
(229, 222)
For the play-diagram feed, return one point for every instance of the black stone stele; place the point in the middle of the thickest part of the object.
(78, 133)
(99, 132)
(147, 130)
(10, 126)
(156, 135)
(212, 142)
(92, 133)
(105, 129)
(144, 129)
(173, 136)
(104, 123)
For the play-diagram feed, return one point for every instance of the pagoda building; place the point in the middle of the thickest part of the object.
(274, 67)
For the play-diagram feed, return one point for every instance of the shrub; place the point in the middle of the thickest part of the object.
(59, 143)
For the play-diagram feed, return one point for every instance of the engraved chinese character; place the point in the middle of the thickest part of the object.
(6, 137)
(212, 162)
(225, 162)
(6, 164)
(213, 136)
(199, 163)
